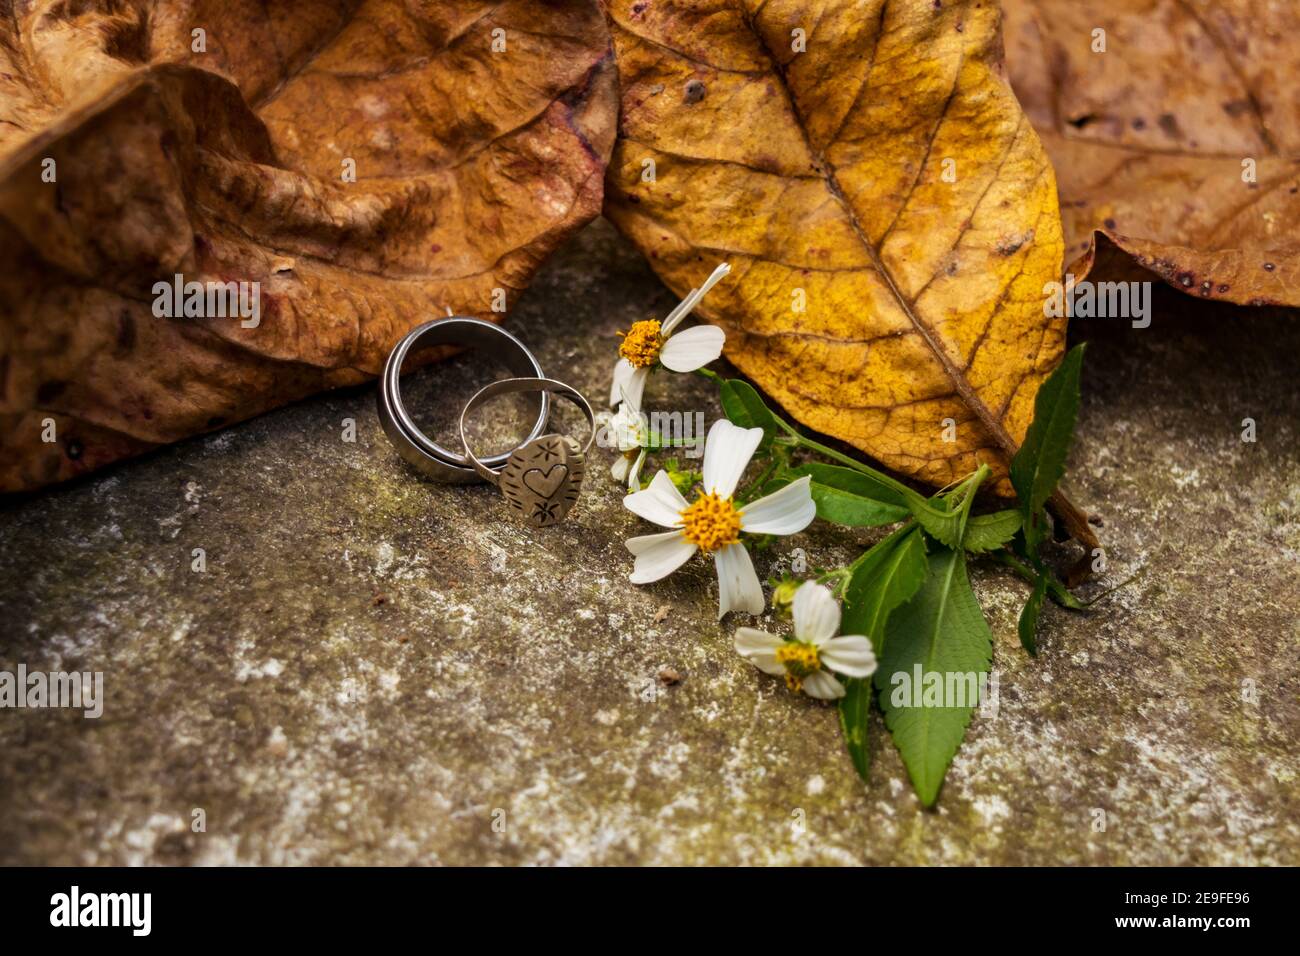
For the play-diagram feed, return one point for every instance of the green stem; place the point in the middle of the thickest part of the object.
(846, 460)
(968, 490)
(840, 576)
(1096, 598)
(1058, 591)
(800, 440)
(1015, 564)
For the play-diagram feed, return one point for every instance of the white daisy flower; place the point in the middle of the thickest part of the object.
(651, 342)
(631, 432)
(713, 522)
(806, 661)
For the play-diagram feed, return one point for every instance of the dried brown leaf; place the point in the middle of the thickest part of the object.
(227, 165)
(1151, 137)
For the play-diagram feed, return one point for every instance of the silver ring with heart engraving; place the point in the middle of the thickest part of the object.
(541, 479)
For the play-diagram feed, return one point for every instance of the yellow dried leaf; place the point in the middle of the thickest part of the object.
(868, 164)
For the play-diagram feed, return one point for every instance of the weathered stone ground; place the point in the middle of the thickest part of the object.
(374, 668)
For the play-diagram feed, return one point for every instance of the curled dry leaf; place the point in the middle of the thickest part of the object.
(889, 212)
(221, 155)
(1175, 133)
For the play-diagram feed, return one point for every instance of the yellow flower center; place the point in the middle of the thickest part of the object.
(711, 523)
(641, 344)
(800, 660)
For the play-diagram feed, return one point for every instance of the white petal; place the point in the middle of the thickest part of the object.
(635, 389)
(850, 655)
(680, 311)
(628, 427)
(692, 299)
(628, 384)
(693, 348)
(823, 686)
(658, 555)
(738, 587)
(623, 370)
(634, 474)
(661, 503)
(727, 451)
(620, 468)
(630, 408)
(816, 613)
(759, 648)
(785, 511)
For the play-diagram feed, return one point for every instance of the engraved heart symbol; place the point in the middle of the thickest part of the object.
(544, 484)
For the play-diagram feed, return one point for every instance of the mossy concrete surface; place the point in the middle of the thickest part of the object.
(376, 669)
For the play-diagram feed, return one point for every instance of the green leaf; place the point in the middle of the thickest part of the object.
(1040, 462)
(982, 533)
(847, 497)
(855, 482)
(943, 526)
(942, 631)
(743, 406)
(882, 579)
(855, 716)
(943, 522)
(986, 532)
(1029, 616)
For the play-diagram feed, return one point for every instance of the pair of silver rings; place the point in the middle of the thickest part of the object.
(541, 476)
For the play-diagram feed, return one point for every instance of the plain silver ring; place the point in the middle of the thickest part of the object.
(416, 448)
